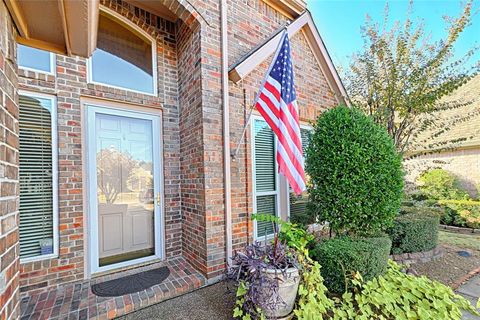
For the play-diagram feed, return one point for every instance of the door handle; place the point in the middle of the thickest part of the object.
(159, 198)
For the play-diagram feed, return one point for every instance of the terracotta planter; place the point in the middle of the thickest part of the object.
(287, 290)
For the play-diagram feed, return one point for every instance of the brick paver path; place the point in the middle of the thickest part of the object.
(76, 300)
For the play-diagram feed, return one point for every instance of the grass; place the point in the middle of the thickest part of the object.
(469, 241)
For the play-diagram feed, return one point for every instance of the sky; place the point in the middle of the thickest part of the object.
(339, 22)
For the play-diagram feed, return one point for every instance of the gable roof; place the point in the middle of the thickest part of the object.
(304, 23)
(463, 123)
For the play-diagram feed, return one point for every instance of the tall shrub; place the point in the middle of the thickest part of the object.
(355, 173)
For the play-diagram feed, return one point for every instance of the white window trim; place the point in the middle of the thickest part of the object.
(283, 189)
(54, 176)
(287, 186)
(91, 109)
(53, 68)
(131, 25)
(277, 192)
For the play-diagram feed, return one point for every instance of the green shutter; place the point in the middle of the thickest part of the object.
(36, 175)
(265, 175)
(298, 204)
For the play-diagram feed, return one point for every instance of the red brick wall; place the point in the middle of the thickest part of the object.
(9, 246)
(189, 87)
(191, 146)
(69, 85)
(250, 23)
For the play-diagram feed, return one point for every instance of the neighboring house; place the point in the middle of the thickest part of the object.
(454, 144)
(115, 145)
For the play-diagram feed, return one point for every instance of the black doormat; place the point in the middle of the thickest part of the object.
(130, 284)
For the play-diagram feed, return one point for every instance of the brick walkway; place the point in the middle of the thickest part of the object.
(76, 300)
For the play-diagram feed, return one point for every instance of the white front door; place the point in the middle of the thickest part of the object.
(125, 193)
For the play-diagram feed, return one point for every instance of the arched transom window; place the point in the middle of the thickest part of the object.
(125, 56)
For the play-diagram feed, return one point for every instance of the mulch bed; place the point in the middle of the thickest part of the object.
(452, 269)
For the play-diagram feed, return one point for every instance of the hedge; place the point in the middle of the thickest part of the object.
(460, 213)
(342, 257)
(415, 230)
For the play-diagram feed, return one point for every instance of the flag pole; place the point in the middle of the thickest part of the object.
(234, 153)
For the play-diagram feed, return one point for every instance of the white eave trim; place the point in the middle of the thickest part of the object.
(305, 24)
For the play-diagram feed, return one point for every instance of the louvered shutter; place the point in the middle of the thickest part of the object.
(36, 176)
(265, 175)
(298, 204)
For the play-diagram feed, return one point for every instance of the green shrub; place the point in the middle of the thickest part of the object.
(460, 213)
(342, 257)
(356, 180)
(441, 184)
(415, 230)
(397, 295)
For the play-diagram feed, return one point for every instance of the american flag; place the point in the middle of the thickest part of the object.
(277, 103)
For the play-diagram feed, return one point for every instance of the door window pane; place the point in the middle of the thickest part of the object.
(35, 59)
(36, 177)
(123, 58)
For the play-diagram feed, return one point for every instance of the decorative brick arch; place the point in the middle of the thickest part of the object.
(180, 8)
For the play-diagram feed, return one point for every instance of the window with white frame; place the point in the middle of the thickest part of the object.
(38, 176)
(270, 197)
(125, 56)
(298, 203)
(265, 176)
(35, 59)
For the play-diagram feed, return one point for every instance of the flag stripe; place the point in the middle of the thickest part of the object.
(281, 130)
(286, 119)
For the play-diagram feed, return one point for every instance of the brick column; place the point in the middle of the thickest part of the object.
(9, 245)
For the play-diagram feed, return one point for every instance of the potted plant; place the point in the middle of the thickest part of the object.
(267, 276)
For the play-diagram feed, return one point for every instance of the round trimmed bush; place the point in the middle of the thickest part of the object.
(342, 257)
(355, 173)
(415, 230)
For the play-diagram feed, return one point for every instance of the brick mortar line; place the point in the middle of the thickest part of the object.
(4, 143)
(17, 289)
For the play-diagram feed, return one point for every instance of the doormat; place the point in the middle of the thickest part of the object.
(130, 284)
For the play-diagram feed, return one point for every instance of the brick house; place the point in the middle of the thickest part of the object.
(456, 149)
(118, 121)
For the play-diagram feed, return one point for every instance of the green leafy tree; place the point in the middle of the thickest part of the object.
(356, 180)
(401, 76)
